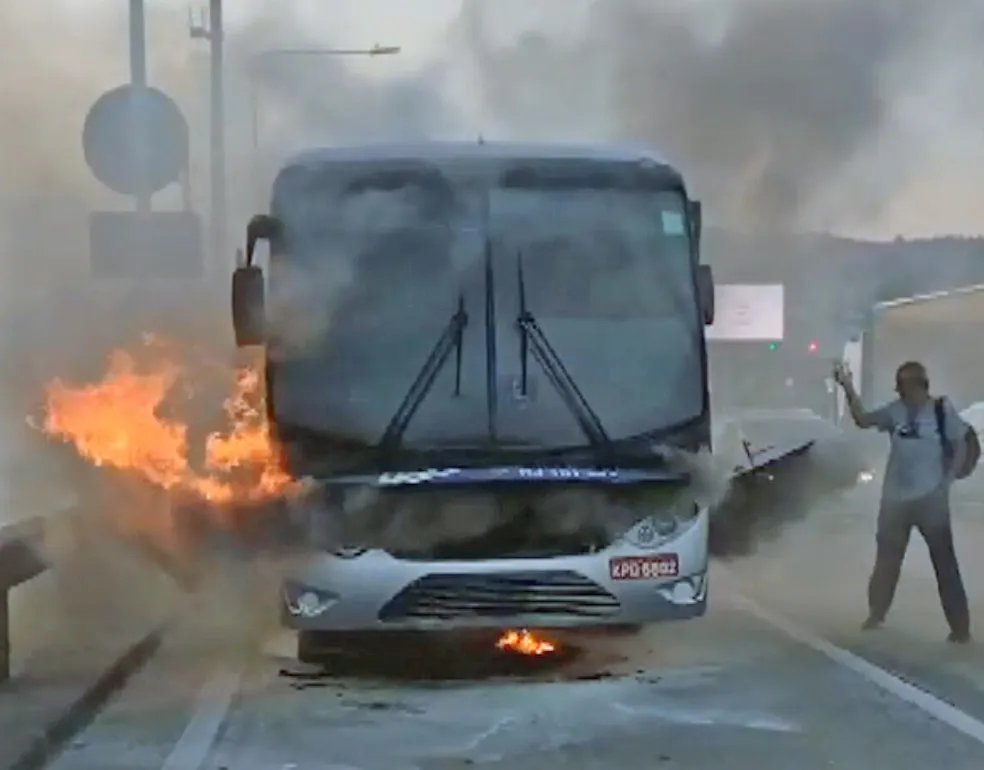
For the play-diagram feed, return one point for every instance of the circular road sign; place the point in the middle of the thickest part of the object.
(106, 141)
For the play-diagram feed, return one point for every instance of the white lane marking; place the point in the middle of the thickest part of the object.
(484, 735)
(930, 704)
(711, 718)
(211, 707)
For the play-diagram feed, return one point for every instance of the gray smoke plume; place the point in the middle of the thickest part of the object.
(497, 522)
(766, 104)
(747, 509)
(760, 504)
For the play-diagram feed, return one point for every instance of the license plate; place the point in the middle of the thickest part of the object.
(661, 565)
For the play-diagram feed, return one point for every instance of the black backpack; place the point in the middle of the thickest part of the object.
(973, 453)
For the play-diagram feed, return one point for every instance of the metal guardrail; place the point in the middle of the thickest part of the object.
(21, 560)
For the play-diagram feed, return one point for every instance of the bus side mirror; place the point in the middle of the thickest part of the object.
(705, 291)
(248, 286)
(262, 227)
(248, 306)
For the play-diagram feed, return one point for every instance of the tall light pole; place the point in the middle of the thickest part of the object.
(138, 116)
(214, 33)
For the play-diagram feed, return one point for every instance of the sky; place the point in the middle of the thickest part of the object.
(857, 118)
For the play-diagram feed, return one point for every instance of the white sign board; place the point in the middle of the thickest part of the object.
(748, 312)
(852, 359)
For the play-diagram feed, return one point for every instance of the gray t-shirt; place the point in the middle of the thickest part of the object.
(915, 460)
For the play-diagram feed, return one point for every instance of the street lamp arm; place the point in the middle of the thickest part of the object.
(376, 50)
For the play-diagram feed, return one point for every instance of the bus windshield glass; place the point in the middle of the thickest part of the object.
(607, 271)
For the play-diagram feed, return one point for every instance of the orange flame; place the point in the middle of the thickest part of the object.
(524, 643)
(118, 423)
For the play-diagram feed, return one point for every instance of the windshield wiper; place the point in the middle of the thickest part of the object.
(491, 392)
(533, 340)
(451, 339)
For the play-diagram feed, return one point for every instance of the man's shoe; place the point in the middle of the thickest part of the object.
(872, 623)
(959, 637)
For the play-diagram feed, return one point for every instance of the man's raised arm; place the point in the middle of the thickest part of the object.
(879, 418)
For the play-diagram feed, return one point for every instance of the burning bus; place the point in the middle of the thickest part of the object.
(488, 362)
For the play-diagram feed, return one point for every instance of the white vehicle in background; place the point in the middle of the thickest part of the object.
(973, 415)
(936, 329)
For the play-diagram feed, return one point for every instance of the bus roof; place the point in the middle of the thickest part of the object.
(460, 150)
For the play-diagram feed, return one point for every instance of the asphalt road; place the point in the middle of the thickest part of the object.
(777, 675)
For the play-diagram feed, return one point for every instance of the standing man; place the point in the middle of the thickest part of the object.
(915, 490)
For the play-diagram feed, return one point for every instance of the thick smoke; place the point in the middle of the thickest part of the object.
(761, 505)
(748, 507)
(519, 522)
(769, 105)
(773, 108)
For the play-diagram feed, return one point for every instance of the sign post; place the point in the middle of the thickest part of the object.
(218, 174)
(135, 141)
(214, 33)
(110, 125)
(142, 244)
(138, 118)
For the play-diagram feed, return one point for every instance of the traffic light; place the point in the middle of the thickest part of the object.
(773, 346)
(814, 346)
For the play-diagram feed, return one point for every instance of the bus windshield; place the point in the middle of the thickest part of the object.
(608, 276)
(607, 273)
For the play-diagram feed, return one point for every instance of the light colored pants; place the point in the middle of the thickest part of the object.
(931, 516)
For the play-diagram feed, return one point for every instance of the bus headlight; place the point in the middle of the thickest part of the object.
(348, 551)
(657, 528)
(306, 602)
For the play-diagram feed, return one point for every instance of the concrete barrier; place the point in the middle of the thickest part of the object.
(21, 549)
(102, 608)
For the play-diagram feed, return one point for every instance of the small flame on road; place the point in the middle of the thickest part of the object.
(524, 643)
